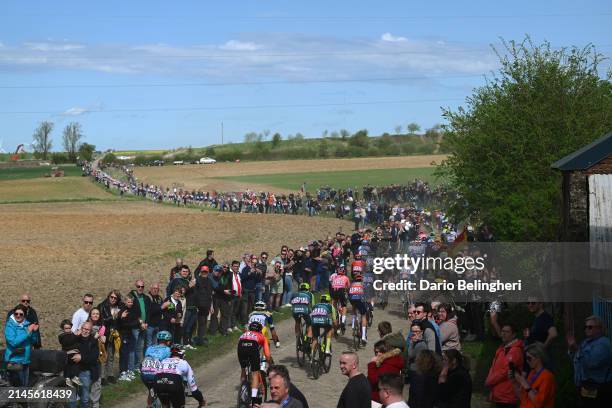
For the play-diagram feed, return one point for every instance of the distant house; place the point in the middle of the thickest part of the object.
(587, 217)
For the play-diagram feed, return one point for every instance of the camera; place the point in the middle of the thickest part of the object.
(512, 370)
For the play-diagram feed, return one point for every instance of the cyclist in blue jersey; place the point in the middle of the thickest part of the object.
(151, 364)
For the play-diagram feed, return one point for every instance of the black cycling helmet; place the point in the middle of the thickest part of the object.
(177, 350)
(255, 326)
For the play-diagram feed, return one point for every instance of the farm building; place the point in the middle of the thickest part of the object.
(587, 217)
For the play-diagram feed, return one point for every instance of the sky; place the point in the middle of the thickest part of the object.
(160, 74)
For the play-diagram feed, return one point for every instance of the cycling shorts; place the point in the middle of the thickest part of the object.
(316, 329)
(360, 306)
(339, 295)
(306, 317)
(248, 355)
(170, 389)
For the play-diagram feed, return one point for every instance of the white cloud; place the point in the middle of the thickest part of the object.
(233, 45)
(76, 111)
(391, 38)
(51, 46)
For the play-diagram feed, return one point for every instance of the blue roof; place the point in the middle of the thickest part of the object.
(588, 156)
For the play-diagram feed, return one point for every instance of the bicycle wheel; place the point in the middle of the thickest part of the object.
(356, 336)
(244, 395)
(263, 388)
(315, 363)
(299, 350)
(370, 317)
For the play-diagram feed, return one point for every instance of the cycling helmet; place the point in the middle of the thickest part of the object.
(325, 298)
(304, 286)
(358, 277)
(260, 305)
(177, 350)
(164, 335)
(341, 270)
(357, 255)
(255, 326)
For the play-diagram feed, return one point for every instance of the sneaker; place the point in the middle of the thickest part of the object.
(124, 376)
(277, 344)
(189, 347)
(287, 305)
(236, 328)
(69, 383)
(364, 342)
(76, 381)
(230, 330)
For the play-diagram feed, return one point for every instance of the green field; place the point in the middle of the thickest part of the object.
(138, 152)
(60, 189)
(339, 179)
(18, 173)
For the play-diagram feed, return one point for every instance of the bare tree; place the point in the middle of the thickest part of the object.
(72, 135)
(42, 141)
(398, 129)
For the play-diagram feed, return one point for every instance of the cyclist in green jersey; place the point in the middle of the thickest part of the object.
(323, 316)
(302, 303)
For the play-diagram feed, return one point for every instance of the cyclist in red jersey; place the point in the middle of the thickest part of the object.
(339, 285)
(249, 345)
(357, 299)
(358, 266)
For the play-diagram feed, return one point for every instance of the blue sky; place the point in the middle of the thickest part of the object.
(144, 75)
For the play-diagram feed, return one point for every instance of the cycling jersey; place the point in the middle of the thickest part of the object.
(178, 366)
(301, 303)
(357, 267)
(356, 291)
(339, 281)
(151, 364)
(322, 314)
(249, 345)
(264, 317)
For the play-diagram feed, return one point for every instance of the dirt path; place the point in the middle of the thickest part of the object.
(219, 378)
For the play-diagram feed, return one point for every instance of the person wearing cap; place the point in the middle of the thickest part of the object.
(208, 261)
(221, 281)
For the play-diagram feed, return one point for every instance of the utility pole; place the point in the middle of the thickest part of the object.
(221, 132)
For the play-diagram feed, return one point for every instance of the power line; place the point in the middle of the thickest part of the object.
(241, 83)
(234, 107)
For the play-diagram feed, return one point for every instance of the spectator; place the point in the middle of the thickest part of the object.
(221, 284)
(279, 392)
(176, 268)
(424, 385)
(430, 334)
(543, 329)
(109, 312)
(172, 313)
(190, 308)
(31, 316)
(294, 393)
(249, 278)
(20, 335)
(127, 322)
(454, 381)
(70, 344)
(386, 360)
(238, 303)
(181, 280)
(208, 261)
(261, 267)
(394, 340)
(80, 316)
(274, 279)
(509, 354)
(89, 367)
(538, 388)
(391, 388)
(98, 332)
(204, 293)
(592, 364)
(154, 314)
(141, 333)
(449, 330)
(356, 393)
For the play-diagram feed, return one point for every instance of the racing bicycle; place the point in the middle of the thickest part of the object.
(244, 392)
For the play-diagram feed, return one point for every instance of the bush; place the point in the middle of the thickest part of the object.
(210, 152)
(342, 151)
(141, 160)
(59, 158)
(360, 139)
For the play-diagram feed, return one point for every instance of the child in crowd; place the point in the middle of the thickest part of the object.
(70, 344)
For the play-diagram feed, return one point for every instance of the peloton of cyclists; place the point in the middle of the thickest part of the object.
(249, 345)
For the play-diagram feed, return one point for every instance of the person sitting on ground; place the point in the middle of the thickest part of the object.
(70, 344)
(386, 360)
(454, 381)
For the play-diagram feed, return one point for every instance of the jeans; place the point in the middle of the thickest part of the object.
(126, 353)
(287, 289)
(152, 335)
(95, 393)
(191, 316)
(203, 313)
(20, 378)
(85, 377)
(139, 339)
(259, 289)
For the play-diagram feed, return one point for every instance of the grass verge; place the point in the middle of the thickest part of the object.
(20, 173)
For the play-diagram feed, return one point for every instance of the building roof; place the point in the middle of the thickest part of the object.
(587, 156)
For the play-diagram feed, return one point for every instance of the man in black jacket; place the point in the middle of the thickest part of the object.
(204, 293)
(208, 261)
(143, 332)
(221, 280)
(89, 367)
(155, 313)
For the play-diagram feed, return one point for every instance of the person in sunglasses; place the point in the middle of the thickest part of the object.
(20, 335)
(31, 315)
(80, 316)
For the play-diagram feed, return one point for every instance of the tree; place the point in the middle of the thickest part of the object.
(251, 137)
(42, 140)
(541, 105)
(298, 136)
(413, 128)
(86, 151)
(398, 129)
(71, 137)
(344, 134)
(360, 139)
(276, 139)
(323, 148)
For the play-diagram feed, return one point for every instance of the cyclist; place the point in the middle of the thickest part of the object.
(302, 303)
(360, 308)
(169, 381)
(249, 346)
(339, 285)
(151, 363)
(323, 316)
(358, 265)
(262, 315)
